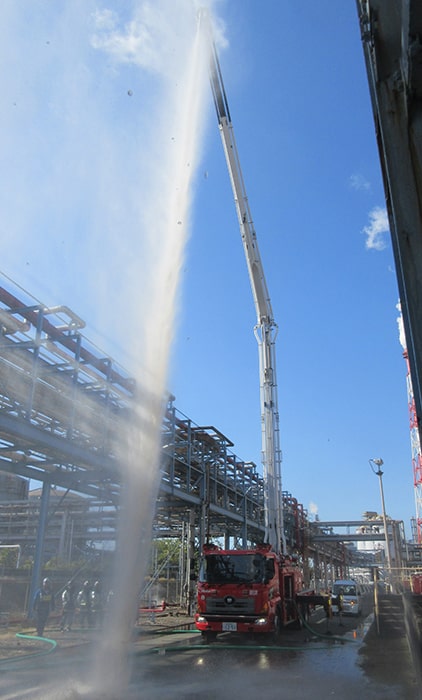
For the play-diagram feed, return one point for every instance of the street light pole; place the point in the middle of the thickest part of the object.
(378, 463)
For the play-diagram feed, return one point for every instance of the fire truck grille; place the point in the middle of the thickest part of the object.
(219, 606)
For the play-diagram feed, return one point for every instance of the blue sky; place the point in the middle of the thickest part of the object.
(77, 144)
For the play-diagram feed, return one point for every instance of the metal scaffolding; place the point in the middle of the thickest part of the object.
(63, 407)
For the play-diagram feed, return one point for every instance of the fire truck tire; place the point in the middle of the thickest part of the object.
(208, 637)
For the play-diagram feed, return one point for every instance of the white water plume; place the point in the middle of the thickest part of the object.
(168, 219)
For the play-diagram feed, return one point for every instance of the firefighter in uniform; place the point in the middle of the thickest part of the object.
(68, 602)
(328, 607)
(84, 604)
(97, 605)
(43, 605)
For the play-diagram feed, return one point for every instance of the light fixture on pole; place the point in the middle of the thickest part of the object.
(378, 463)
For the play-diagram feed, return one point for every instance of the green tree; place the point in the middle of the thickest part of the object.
(9, 557)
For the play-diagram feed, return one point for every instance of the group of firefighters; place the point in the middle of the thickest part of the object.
(88, 602)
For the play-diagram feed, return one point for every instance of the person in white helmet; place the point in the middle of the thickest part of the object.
(43, 605)
(68, 603)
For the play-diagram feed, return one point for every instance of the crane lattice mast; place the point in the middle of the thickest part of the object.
(266, 328)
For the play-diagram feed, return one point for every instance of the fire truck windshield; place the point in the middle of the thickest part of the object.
(233, 568)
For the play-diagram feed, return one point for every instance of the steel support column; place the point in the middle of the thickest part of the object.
(39, 546)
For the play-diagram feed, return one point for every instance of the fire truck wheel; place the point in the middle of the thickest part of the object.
(208, 637)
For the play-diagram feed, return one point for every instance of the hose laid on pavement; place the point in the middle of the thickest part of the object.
(174, 631)
(225, 647)
(252, 647)
(332, 637)
(44, 652)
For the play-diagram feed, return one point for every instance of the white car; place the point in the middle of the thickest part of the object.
(351, 595)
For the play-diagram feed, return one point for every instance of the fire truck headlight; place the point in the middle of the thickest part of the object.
(200, 618)
(260, 621)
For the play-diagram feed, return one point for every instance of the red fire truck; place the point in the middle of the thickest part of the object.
(247, 590)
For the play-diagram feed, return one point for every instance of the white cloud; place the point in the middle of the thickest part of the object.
(359, 182)
(377, 229)
(140, 41)
(148, 40)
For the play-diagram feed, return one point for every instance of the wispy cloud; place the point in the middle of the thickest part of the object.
(359, 182)
(148, 40)
(377, 229)
(142, 41)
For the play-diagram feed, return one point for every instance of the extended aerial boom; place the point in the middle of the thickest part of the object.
(259, 286)
(266, 328)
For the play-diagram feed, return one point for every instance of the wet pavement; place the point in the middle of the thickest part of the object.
(346, 658)
(385, 655)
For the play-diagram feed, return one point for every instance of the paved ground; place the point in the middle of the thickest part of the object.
(386, 655)
(19, 640)
(383, 651)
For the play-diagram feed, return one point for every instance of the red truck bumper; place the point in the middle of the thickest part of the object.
(256, 625)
